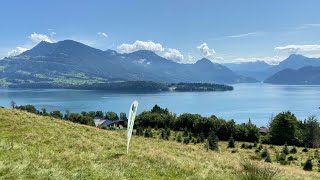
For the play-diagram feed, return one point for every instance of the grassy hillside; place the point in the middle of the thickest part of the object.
(36, 147)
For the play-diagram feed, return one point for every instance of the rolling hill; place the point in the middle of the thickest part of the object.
(308, 75)
(38, 147)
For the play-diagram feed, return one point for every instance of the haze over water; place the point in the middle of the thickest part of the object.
(256, 101)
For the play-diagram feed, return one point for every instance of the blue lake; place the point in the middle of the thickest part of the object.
(256, 101)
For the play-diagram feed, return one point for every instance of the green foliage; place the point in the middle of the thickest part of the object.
(123, 116)
(285, 149)
(148, 133)
(282, 158)
(56, 114)
(308, 165)
(231, 143)
(243, 146)
(293, 150)
(264, 153)
(78, 118)
(112, 116)
(158, 109)
(305, 149)
(182, 87)
(165, 134)
(268, 158)
(284, 129)
(99, 114)
(311, 132)
(29, 108)
(186, 140)
(252, 171)
(179, 138)
(201, 137)
(139, 131)
(213, 141)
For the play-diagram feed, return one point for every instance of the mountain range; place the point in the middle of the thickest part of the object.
(70, 62)
(266, 73)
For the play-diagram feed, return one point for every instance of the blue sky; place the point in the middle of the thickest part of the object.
(184, 31)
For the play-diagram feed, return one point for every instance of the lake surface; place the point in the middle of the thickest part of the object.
(256, 101)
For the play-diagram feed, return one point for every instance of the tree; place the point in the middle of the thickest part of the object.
(311, 132)
(139, 131)
(56, 114)
(284, 128)
(231, 143)
(112, 116)
(158, 109)
(13, 104)
(308, 165)
(99, 114)
(213, 141)
(44, 112)
(123, 116)
(285, 149)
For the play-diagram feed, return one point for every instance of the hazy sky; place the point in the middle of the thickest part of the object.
(184, 31)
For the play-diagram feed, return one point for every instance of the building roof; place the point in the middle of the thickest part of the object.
(104, 122)
(264, 130)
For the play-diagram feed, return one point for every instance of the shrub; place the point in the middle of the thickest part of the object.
(259, 148)
(290, 158)
(282, 158)
(249, 146)
(255, 144)
(268, 158)
(201, 137)
(234, 151)
(308, 165)
(231, 143)
(213, 141)
(179, 138)
(264, 153)
(293, 150)
(285, 149)
(186, 140)
(139, 131)
(243, 145)
(305, 149)
(148, 133)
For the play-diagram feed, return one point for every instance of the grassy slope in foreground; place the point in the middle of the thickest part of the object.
(36, 147)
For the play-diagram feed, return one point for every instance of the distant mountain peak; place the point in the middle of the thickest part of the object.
(144, 53)
(204, 61)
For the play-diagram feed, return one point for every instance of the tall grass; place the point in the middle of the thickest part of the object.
(254, 171)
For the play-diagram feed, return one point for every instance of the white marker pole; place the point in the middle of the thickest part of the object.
(132, 116)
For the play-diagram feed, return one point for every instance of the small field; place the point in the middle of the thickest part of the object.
(37, 147)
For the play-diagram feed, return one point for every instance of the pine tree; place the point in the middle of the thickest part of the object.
(179, 138)
(285, 149)
(308, 165)
(213, 141)
(231, 143)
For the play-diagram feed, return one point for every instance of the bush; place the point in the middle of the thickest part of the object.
(148, 133)
(264, 153)
(259, 148)
(243, 146)
(290, 158)
(139, 131)
(186, 140)
(255, 144)
(249, 146)
(179, 138)
(213, 141)
(305, 149)
(231, 143)
(268, 158)
(234, 151)
(282, 158)
(285, 149)
(293, 150)
(308, 165)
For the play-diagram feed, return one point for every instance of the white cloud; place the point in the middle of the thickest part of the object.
(141, 45)
(295, 48)
(173, 54)
(268, 59)
(206, 51)
(306, 26)
(244, 35)
(103, 34)
(16, 51)
(36, 38)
